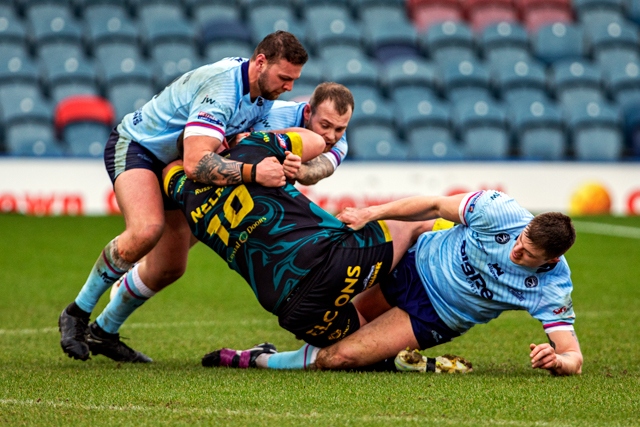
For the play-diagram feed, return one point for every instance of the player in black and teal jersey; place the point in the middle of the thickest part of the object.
(302, 263)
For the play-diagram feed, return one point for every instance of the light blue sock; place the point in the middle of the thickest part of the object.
(108, 268)
(299, 359)
(131, 294)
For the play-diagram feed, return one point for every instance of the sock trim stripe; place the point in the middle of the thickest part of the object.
(133, 294)
(113, 269)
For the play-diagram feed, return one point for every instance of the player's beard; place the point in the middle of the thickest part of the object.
(264, 92)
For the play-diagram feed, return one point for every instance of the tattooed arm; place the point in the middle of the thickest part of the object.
(314, 170)
(562, 356)
(202, 164)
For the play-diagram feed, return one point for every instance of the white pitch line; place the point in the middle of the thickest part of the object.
(267, 414)
(607, 229)
(160, 325)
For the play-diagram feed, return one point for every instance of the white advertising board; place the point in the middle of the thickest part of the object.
(82, 187)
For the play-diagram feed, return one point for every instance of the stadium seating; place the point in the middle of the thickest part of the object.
(482, 13)
(614, 43)
(109, 23)
(465, 80)
(325, 31)
(266, 19)
(504, 44)
(559, 41)
(390, 40)
(411, 74)
(449, 41)
(538, 13)
(539, 129)
(202, 11)
(72, 77)
(375, 142)
(598, 12)
(482, 128)
(595, 132)
(577, 83)
(521, 81)
(425, 13)
(84, 124)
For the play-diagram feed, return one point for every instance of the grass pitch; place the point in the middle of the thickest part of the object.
(44, 261)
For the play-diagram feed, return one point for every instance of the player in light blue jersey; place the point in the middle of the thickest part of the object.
(327, 113)
(499, 257)
(211, 104)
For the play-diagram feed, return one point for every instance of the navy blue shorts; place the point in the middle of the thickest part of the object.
(404, 289)
(121, 155)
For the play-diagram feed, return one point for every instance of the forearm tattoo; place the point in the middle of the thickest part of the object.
(314, 170)
(213, 169)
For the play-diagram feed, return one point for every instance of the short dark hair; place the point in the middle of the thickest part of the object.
(552, 232)
(339, 94)
(281, 45)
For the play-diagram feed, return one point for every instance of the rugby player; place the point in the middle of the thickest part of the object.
(303, 264)
(499, 257)
(327, 113)
(208, 103)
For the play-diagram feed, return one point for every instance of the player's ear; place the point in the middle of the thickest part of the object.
(306, 113)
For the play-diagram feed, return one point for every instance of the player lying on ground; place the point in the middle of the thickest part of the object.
(498, 258)
(302, 263)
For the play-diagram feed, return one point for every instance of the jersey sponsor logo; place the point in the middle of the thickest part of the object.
(210, 118)
(516, 293)
(373, 275)
(495, 195)
(144, 157)
(502, 238)
(531, 282)
(202, 190)
(281, 141)
(495, 269)
(137, 117)
(473, 277)
(560, 310)
(243, 237)
(208, 100)
(260, 101)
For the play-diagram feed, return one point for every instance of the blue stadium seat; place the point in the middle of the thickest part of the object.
(109, 23)
(409, 73)
(264, 20)
(72, 77)
(539, 130)
(32, 140)
(86, 139)
(12, 30)
(522, 80)
(325, 11)
(426, 125)
(505, 43)
(449, 41)
(202, 11)
(559, 41)
(383, 11)
(623, 83)
(342, 53)
(375, 142)
(115, 53)
(149, 11)
(418, 109)
(352, 72)
(576, 83)
(614, 43)
(52, 23)
(127, 96)
(312, 72)
(215, 51)
(391, 39)
(173, 59)
(597, 12)
(466, 79)
(595, 132)
(15, 65)
(333, 31)
(371, 108)
(482, 127)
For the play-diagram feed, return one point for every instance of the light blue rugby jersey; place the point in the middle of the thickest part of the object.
(285, 114)
(470, 278)
(212, 100)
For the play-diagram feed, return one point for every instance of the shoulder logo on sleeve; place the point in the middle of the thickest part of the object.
(210, 118)
(531, 282)
(208, 100)
(474, 199)
(560, 310)
(281, 141)
(502, 238)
